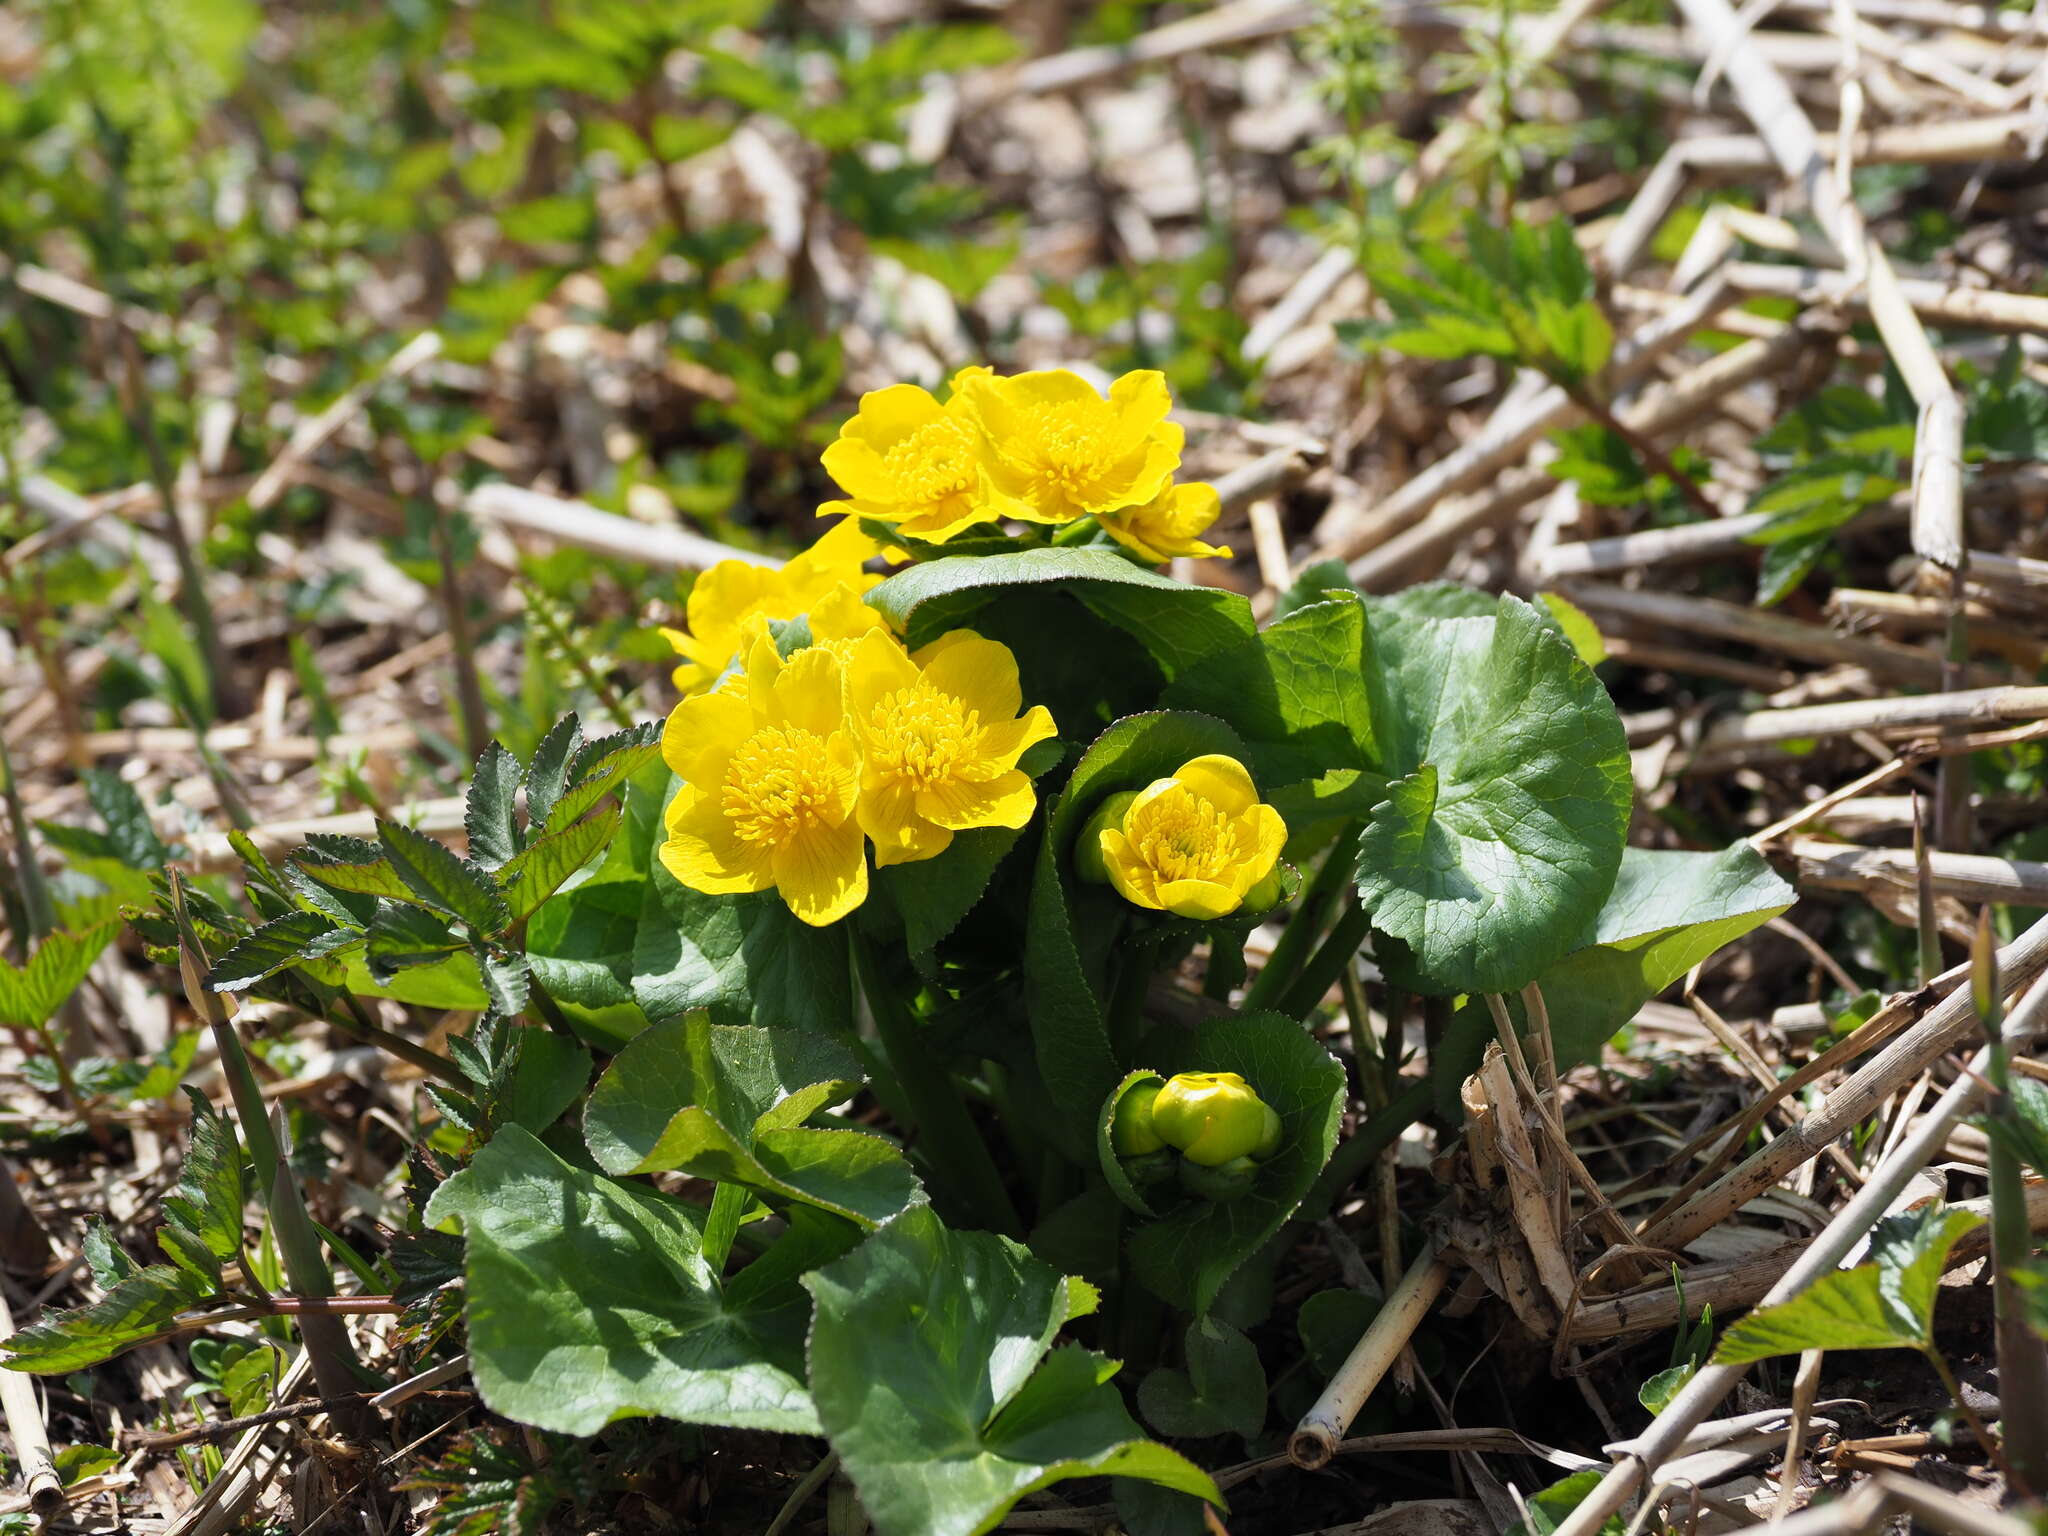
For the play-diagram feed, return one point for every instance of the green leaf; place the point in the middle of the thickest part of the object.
(1315, 584)
(444, 881)
(1299, 684)
(930, 1370)
(548, 774)
(1668, 911)
(76, 1462)
(269, 949)
(367, 873)
(933, 895)
(2023, 1126)
(727, 1103)
(749, 955)
(1331, 1323)
(130, 833)
(1188, 1255)
(1656, 1393)
(403, 938)
(598, 768)
(588, 1300)
(1176, 623)
(208, 1200)
(551, 1074)
(1842, 1310)
(31, 994)
(487, 810)
(1910, 1250)
(1548, 1508)
(1787, 564)
(531, 876)
(506, 980)
(1223, 1389)
(136, 1309)
(1887, 1303)
(1506, 823)
(1579, 630)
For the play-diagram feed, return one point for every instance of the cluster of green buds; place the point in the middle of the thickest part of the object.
(1211, 1128)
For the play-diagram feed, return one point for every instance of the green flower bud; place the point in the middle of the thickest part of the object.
(1131, 1132)
(1088, 864)
(1226, 1181)
(1214, 1117)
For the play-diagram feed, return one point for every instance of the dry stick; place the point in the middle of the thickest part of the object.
(582, 526)
(1765, 631)
(1983, 309)
(1973, 706)
(1510, 435)
(235, 1487)
(1965, 876)
(1948, 1023)
(1873, 1505)
(29, 1435)
(1688, 541)
(1699, 1396)
(1315, 1438)
(2008, 570)
(1663, 410)
(1729, 1285)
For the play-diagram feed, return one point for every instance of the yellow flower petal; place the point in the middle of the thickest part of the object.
(1201, 900)
(887, 416)
(1266, 834)
(1130, 874)
(1007, 800)
(824, 876)
(1004, 743)
(981, 673)
(700, 733)
(702, 852)
(889, 815)
(1222, 781)
(876, 668)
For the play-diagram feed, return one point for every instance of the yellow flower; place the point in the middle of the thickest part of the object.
(769, 784)
(908, 460)
(1167, 526)
(940, 737)
(733, 592)
(1063, 452)
(1195, 843)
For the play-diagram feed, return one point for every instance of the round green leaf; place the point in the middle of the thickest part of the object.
(1505, 822)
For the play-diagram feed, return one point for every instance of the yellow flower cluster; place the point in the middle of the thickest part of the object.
(846, 741)
(1040, 447)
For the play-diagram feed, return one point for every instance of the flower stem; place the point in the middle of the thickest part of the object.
(1380, 1131)
(1300, 933)
(955, 1156)
(1326, 964)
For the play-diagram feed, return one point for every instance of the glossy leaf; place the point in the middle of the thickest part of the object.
(1506, 821)
(935, 1379)
(589, 1300)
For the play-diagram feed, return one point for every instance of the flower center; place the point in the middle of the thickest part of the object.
(934, 462)
(1074, 444)
(1184, 837)
(923, 735)
(779, 785)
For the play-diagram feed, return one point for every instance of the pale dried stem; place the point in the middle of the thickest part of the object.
(1844, 1233)
(1315, 1438)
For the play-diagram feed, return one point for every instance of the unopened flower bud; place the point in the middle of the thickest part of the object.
(1215, 1117)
